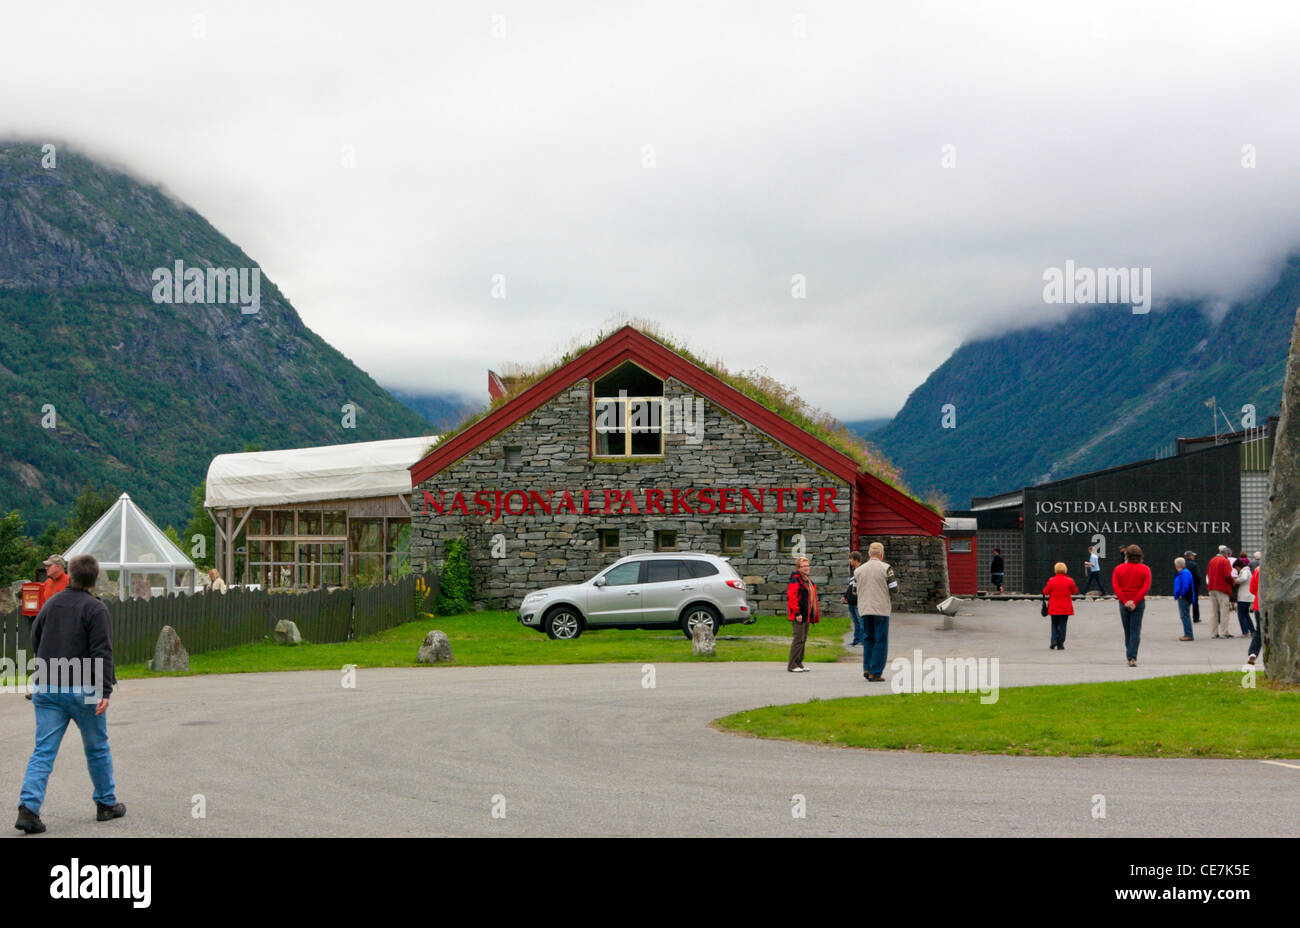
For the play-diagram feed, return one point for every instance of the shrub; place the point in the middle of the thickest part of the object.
(456, 581)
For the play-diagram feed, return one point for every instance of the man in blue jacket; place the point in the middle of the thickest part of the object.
(73, 641)
(1184, 595)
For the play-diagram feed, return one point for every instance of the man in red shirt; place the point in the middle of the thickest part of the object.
(56, 577)
(1131, 582)
(1218, 580)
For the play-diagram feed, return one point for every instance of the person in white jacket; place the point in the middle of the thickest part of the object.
(1241, 571)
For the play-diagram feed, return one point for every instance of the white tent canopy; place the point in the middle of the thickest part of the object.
(135, 557)
(300, 475)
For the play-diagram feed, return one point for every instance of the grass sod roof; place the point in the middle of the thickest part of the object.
(757, 385)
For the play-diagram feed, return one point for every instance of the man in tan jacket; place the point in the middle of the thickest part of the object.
(876, 585)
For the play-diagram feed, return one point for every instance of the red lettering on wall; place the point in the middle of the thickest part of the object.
(705, 497)
(525, 506)
(804, 503)
(654, 501)
(437, 504)
(586, 503)
(780, 498)
(482, 505)
(825, 499)
(537, 501)
(748, 499)
(679, 501)
(725, 504)
(458, 504)
(610, 497)
(628, 500)
(566, 501)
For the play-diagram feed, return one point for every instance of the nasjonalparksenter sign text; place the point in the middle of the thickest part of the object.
(641, 501)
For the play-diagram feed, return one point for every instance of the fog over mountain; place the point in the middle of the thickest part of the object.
(443, 188)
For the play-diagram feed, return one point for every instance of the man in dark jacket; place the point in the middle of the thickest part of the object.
(73, 641)
(1198, 583)
(996, 570)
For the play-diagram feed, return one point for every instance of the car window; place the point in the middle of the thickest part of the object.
(623, 574)
(701, 568)
(664, 571)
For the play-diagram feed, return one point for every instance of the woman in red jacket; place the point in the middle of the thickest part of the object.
(1060, 592)
(1131, 582)
(801, 601)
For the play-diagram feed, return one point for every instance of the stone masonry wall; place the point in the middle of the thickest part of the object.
(543, 550)
(921, 565)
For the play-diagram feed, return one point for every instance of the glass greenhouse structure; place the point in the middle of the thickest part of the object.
(136, 560)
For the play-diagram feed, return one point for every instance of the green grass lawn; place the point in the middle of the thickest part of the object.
(488, 638)
(1205, 715)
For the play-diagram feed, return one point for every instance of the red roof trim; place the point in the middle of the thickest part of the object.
(628, 344)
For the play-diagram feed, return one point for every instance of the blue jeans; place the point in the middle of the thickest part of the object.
(858, 625)
(1254, 639)
(1243, 618)
(876, 644)
(1132, 619)
(54, 710)
(1185, 613)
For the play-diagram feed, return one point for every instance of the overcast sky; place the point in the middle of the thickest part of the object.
(786, 138)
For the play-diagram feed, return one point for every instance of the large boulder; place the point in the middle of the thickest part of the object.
(435, 650)
(703, 641)
(286, 632)
(169, 655)
(1279, 579)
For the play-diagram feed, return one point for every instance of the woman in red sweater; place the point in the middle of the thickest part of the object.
(1060, 592)
(1131, 582)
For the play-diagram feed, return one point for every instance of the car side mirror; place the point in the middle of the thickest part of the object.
(599, 581)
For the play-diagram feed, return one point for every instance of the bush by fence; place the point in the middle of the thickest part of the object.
(212, 621)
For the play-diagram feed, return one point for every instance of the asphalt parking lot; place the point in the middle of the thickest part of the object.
(588, 750)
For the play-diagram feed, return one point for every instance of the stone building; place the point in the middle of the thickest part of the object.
(632, 447)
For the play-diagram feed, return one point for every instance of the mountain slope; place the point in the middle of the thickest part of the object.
(1102, 388)
(144, 394)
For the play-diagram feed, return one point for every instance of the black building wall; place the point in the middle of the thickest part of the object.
(1188, 502)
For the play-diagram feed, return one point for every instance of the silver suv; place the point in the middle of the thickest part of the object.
(657, 590)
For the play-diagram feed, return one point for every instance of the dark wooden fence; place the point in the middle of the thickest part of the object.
(211, 621)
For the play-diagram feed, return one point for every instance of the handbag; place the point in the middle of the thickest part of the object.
(1043, 608)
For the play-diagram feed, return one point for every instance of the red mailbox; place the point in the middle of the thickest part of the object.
(32, 596)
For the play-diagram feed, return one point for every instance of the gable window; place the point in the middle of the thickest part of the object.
(733, 541)
(787, 538)
(514, 458)
(665, 541)
(627, 413)
(608, 539)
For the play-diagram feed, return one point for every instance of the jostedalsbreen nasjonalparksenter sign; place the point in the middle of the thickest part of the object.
(638, 501)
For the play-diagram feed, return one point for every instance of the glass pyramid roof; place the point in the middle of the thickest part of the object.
(126, 537)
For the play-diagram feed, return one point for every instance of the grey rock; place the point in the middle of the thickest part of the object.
(1279, 579)
(435, 650)
(169, 655)
(286, 632)
(703, 643)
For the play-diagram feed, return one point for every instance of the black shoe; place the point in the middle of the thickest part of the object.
(1196, 620)
(103, 813)
(29, 821)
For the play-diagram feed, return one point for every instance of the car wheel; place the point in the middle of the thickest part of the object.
(700, 615)
(562, 623)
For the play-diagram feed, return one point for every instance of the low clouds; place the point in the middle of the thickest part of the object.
(683, 162)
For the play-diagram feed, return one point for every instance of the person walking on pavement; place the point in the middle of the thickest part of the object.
(72, 627)
(876, 585)
(1218, 578)
(1131, 582)
(1184, 595)
(1241, 573)
(1060, 592)
(801, 602)
(1198, 584)
(997, 570)
(1256, 603)
(850, 598)
(1092, 571)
